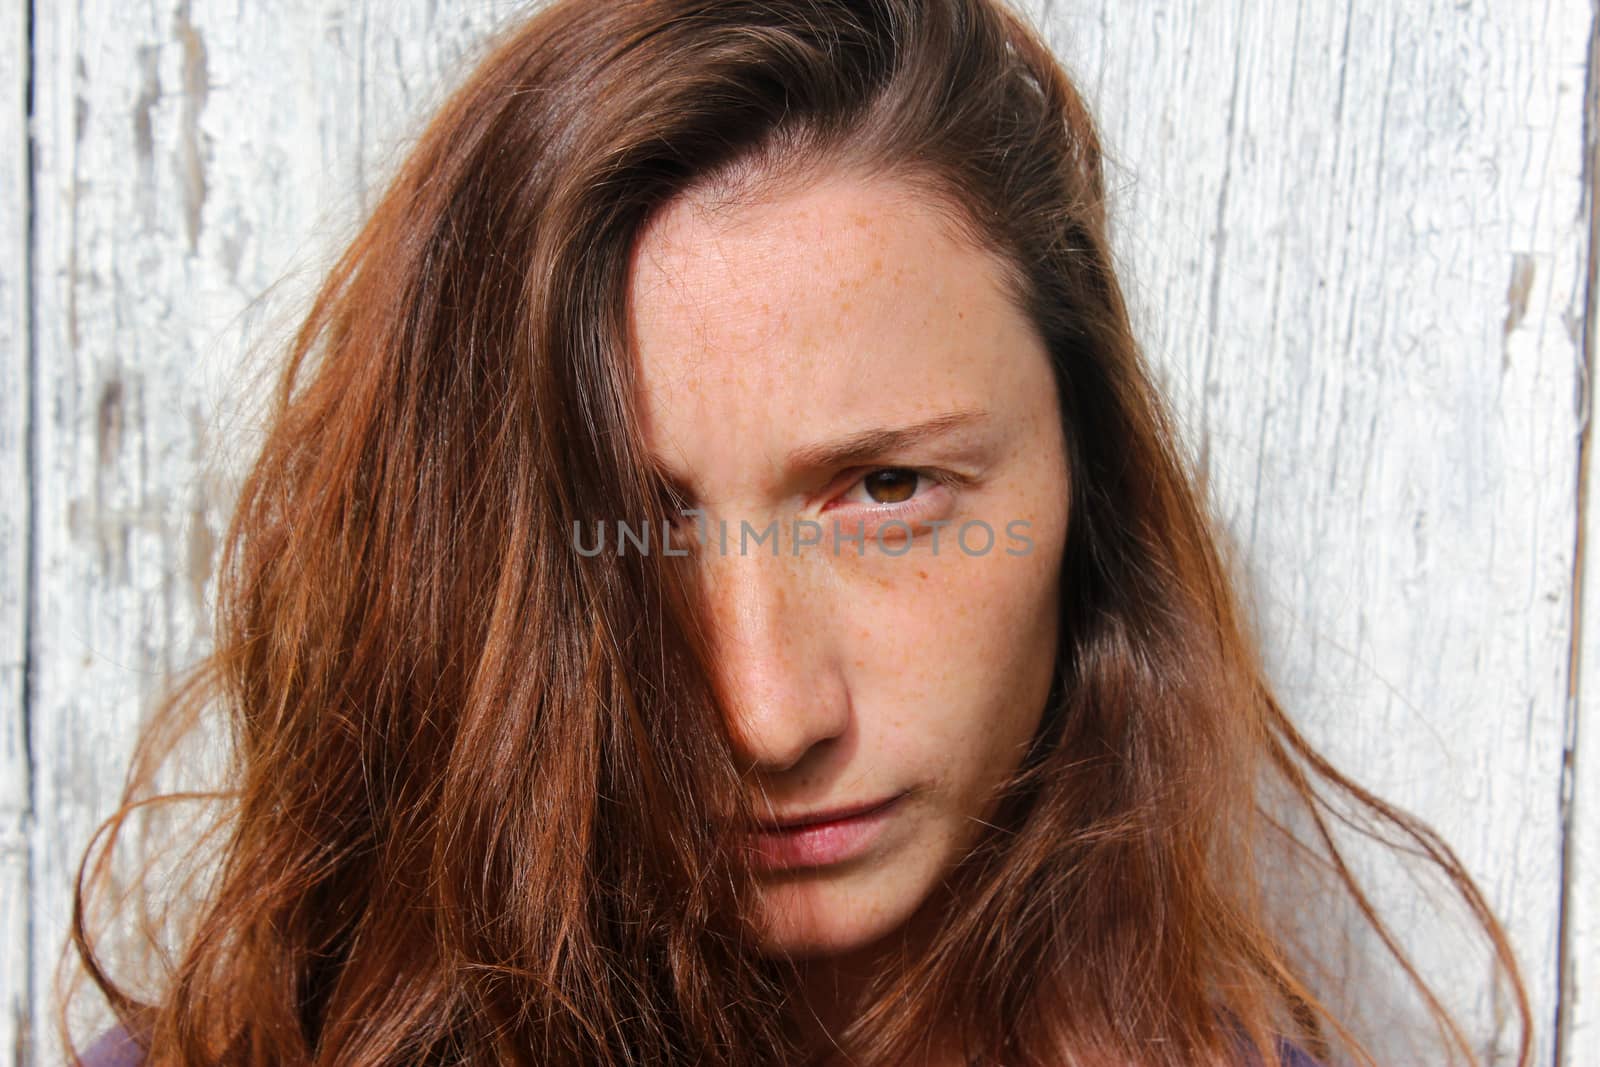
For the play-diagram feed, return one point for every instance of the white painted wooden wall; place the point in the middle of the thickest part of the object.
(1359, 238)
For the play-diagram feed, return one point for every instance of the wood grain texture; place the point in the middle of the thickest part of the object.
(15, 515)
(191, 157)
(1578, 1020)
(1356, 239)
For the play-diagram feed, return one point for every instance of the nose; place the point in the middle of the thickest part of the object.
(772, 645)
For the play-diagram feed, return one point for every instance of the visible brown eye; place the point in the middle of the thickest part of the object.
(892, 485)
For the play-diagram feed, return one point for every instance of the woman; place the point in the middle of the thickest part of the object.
(720, 587)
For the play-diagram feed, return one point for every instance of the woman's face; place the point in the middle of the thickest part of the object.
(871, 432)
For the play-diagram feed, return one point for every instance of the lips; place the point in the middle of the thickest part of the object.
(820, 838)
(815, 818)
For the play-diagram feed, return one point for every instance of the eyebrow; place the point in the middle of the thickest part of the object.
(858, 447)
(881, 440)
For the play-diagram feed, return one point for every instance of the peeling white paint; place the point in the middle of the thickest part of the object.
(16, 814)
(1357, 243)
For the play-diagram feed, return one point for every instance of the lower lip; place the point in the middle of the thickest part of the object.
(820, 844)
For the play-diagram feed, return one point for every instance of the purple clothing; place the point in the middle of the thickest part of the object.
(1291, 1056)
(114, 1048)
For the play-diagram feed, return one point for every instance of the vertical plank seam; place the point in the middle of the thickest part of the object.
(30, 540)
(1590, 179)
(1219, 264)
(362, 197)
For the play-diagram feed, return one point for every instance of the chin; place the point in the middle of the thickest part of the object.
(810, 914)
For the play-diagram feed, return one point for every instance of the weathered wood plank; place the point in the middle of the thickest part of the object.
(1356, 246)
(15, 520)
(192, 155)
(1579, 1018)
(113, 432)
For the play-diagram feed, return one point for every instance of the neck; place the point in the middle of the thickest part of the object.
(834, 989)
(833, 992)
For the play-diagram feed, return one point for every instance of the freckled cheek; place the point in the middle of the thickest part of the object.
(902, 668)
(931, 667)
(1004, 640)
(994, 599)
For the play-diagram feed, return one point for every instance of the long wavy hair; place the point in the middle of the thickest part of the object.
(467, 817)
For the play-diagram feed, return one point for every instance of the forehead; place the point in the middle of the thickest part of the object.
(762, 326)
